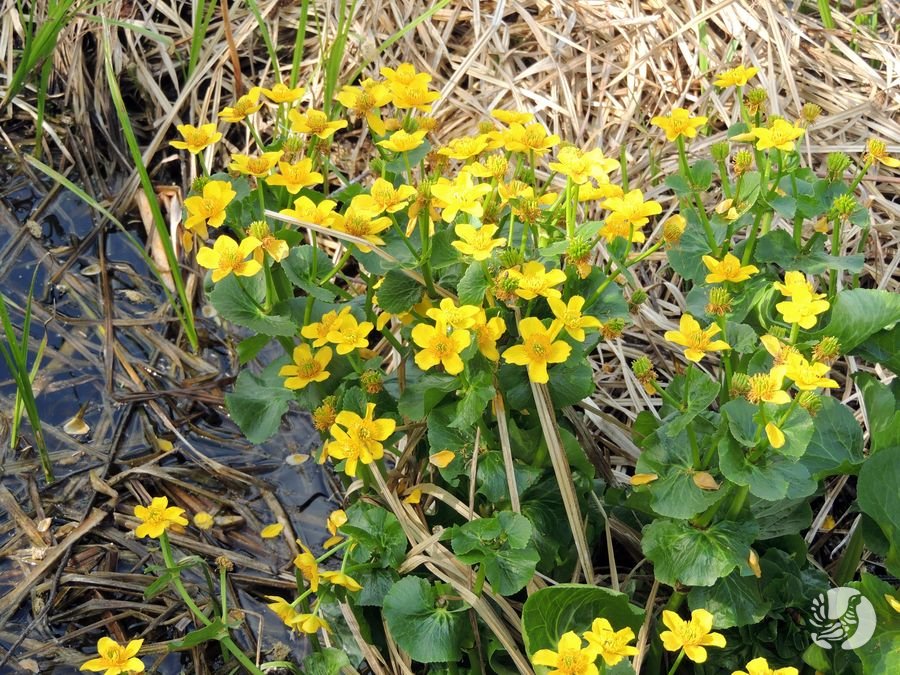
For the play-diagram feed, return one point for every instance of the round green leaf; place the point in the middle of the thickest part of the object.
(733, 601)
(425, 631)
(772, 477)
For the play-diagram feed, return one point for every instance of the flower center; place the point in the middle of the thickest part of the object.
(310, 368)
(316, 121)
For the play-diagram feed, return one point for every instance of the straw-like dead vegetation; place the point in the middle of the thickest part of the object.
(593, 72)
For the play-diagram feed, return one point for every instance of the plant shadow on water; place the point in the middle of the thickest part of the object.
(133, 388)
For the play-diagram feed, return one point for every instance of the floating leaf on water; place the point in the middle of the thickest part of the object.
(442, 459)
(296, 459)
(271, 531)
(91, 270)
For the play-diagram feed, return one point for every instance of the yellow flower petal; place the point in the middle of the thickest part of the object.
(271, 531)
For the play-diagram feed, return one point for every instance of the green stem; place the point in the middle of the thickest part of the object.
(677, 662)
(850, 560)
(479, 580)
(698, 202)
(223, 593)
(795, 332)
(166, 549)
(761, 217)
(737, 502)
(337, 268)
(239, 654)
(835, 251)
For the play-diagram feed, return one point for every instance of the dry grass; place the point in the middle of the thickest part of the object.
(593, 72)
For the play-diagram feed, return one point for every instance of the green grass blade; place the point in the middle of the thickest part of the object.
(299, 42)
(264, 31)
(184, 312)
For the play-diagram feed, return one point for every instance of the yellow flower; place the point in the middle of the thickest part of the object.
(401, 141)
(317, 214)
(418, 97)
(295, 176)
(796, 283)
(780, 135)
(341, 579)
(581, 166)
(157, 518)
(464, 148)
(775, 435)
(306, 563)
(767, 387)
(736, 77)
(196, 138)
(679, 123)
(385, 197)
(227, 256)
(405, 74)
(455, 317)
(876, 151)
(460, 195)
(277, 248)
(802, 308)
(629, 214)
(348, 335)
(365, 100)
(487, 332)
(255, 166)
(282, 608)
(334, 521)
(570, 657)
(611, 644)
(307, 367)
(569, 316)
(761, 667)
(808, 376)
(727, 269)
(281, 93)
(528, 139)
(477, 243)
(204, 520)
(246, 105)
(698, 342)
(318, 331)
(691, 636)
(367, 430)
(362, 223)
(512, 116)
(115, 659)
(534, 280)
(208, 209)
(893, 602)
(602, 190)
(537, 349)
(414, 496)
(493, 166)
(436, 346)
(308, 623)
(351, 449)
(780, 352)
(314, 122)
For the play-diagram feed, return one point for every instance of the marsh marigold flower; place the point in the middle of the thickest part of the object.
(876, 151)
(405, 74)
(569, 316)
(337, 578)
(802, 308)
(361, 440)
(196, 138)
(532, 138)
(348, 334)
(478, 243)
(693, 636)
(306, 563)
(208, 209)
(335, 520)
(227, 256)
(774, 435)
(246, 105)
(385, 197)
(612, 645)
(254, 166)
(760, 666)
(307, 210)
(401, 141)
(438, 346)
(736, 77)
(728, 268)
(309, 623)
(779, 351)
(808, 376)
(115, 659)
(534, 280)
(697, 341)
(307, 367)
(767, 387)
(360, 222)
(581, 165)
(462, 194)
(487, 332)
(295, 176)
(679, 123)
(539, 347)
(512, 116)
(277, 248)
(629, 214)
(157, 518)
(281, 93)
(315, 123)
(464, 148)
(318, 330)
(781, 135)
(413, 96)
(590, 192)
(494, 166)
(570, 657)
(365, 100)
(453, 316)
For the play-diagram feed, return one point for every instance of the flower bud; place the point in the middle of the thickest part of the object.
(809, 113)
(755, 99)
(224, 563)
(743, 161)
(643, 371)
(810, 401)
(843, 207)
(836, 164)
(827, 350)
(485, 127)
(323, 416)
(371, 381)
(377, 165)
(259, 229)
(199, 183)
(777, 331)
(753, 563)
(612, 329)
(719, 302)
(638, 298)
(720, 151)
(673, 228)
(428, 124)
(740, 385)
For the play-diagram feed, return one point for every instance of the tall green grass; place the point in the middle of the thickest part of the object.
(15, 353)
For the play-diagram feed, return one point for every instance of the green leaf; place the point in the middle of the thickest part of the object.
(778, 518)
(378, 535)
(703, 391)
(326, 661)
(860, 313)
(214, 631)
(298, 267)
(241, 305)
(425, 631)
(790, 580)
(701, 174)
(375, 585)
(733, 601)
(571, 382)
(257, 405)
(248, 348)
(472, 286)
(771, 477)
(836, 446)
(778, 247)
(501, 544)
(398, 292)
(745, 422)
(686, 257)
(552, 611)
(424, 392)
(784, 206)
(510, 570)
(883, 408)
(882, 347)
(679, 184)
(878, 494)
(474, 402)
(683, 554)
(881, 654)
